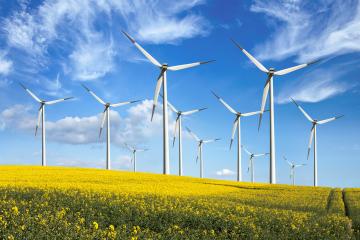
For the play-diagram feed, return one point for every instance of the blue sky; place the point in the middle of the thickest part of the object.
(53, 46)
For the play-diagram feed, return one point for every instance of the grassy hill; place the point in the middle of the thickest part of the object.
(75, 203)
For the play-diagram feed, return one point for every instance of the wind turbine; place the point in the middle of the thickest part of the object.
(134, 151)
(292, 169)
(178, 127)
(313, 133)
(236, 125)
(162, 81)
(200, 145)
(106, 115)
(271, 72)
(251, 162)
(41, 115)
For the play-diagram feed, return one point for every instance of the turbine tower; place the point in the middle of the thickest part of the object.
(236, 125)
(200, 145)
(162, 81)
(251, 162)
(41, 117)
(271, 72)
(292, 169)
(313, 134)
(134, 151)
(178, 127)
(106, 116)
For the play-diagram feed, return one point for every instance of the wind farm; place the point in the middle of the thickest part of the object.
(201, 162)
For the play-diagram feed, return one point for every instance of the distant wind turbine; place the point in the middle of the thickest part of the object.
(313, 134)
(134, 151)
(106, 115)
(178, 127)
(200, 145)
(292, 169)
(162, 81)
(251, 162)
(236, 125)
(271, 72)
(41, 115)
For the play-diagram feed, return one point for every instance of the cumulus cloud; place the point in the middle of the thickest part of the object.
(135, 128)
(225, 172)
(309, 29)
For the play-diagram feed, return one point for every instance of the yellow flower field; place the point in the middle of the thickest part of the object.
(75, 203)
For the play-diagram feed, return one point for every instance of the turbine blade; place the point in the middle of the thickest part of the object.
(256, 62)
(302, 110)
(38, 119)
(292, 69)
(142, 150)
(31, 93)
(93, 94)
(247, 151)
(287, 161)
(198, 153)
(300, 165)
(193, 134)
(250, 114)
(261, 154)
(128, 147)
(171, 106)
(310, 141)
(263, 101)
(157, 92)
(189, 65)
(176, 128)
(224, 103)
(235, 124)
(57, 101)
(142, 50)
(103, 122)
(329, 120)
(211, 140)
(123, 103)
(193, 111)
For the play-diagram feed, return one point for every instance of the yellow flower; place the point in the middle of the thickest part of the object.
(15, 210)
(95, 225)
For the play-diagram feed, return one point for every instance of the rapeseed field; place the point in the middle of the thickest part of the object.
(76, 203)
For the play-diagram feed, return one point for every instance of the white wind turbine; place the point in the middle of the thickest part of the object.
(313, 134)
(292, 169)
(134, 151)
(162, 81)
(251, 162)
(236, 125)
(41, 115)
(200, 145)
(271, 72)
(106, 115)
(178, 127)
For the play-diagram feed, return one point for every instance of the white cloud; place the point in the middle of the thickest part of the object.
(5, 65)
(54, 87)
(309, 29)
(225, 172)
(85, 59)
(316, 86)
(135, 128)
(163, 21)
(81, 31)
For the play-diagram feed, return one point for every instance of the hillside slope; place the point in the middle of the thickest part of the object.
(75, 203)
